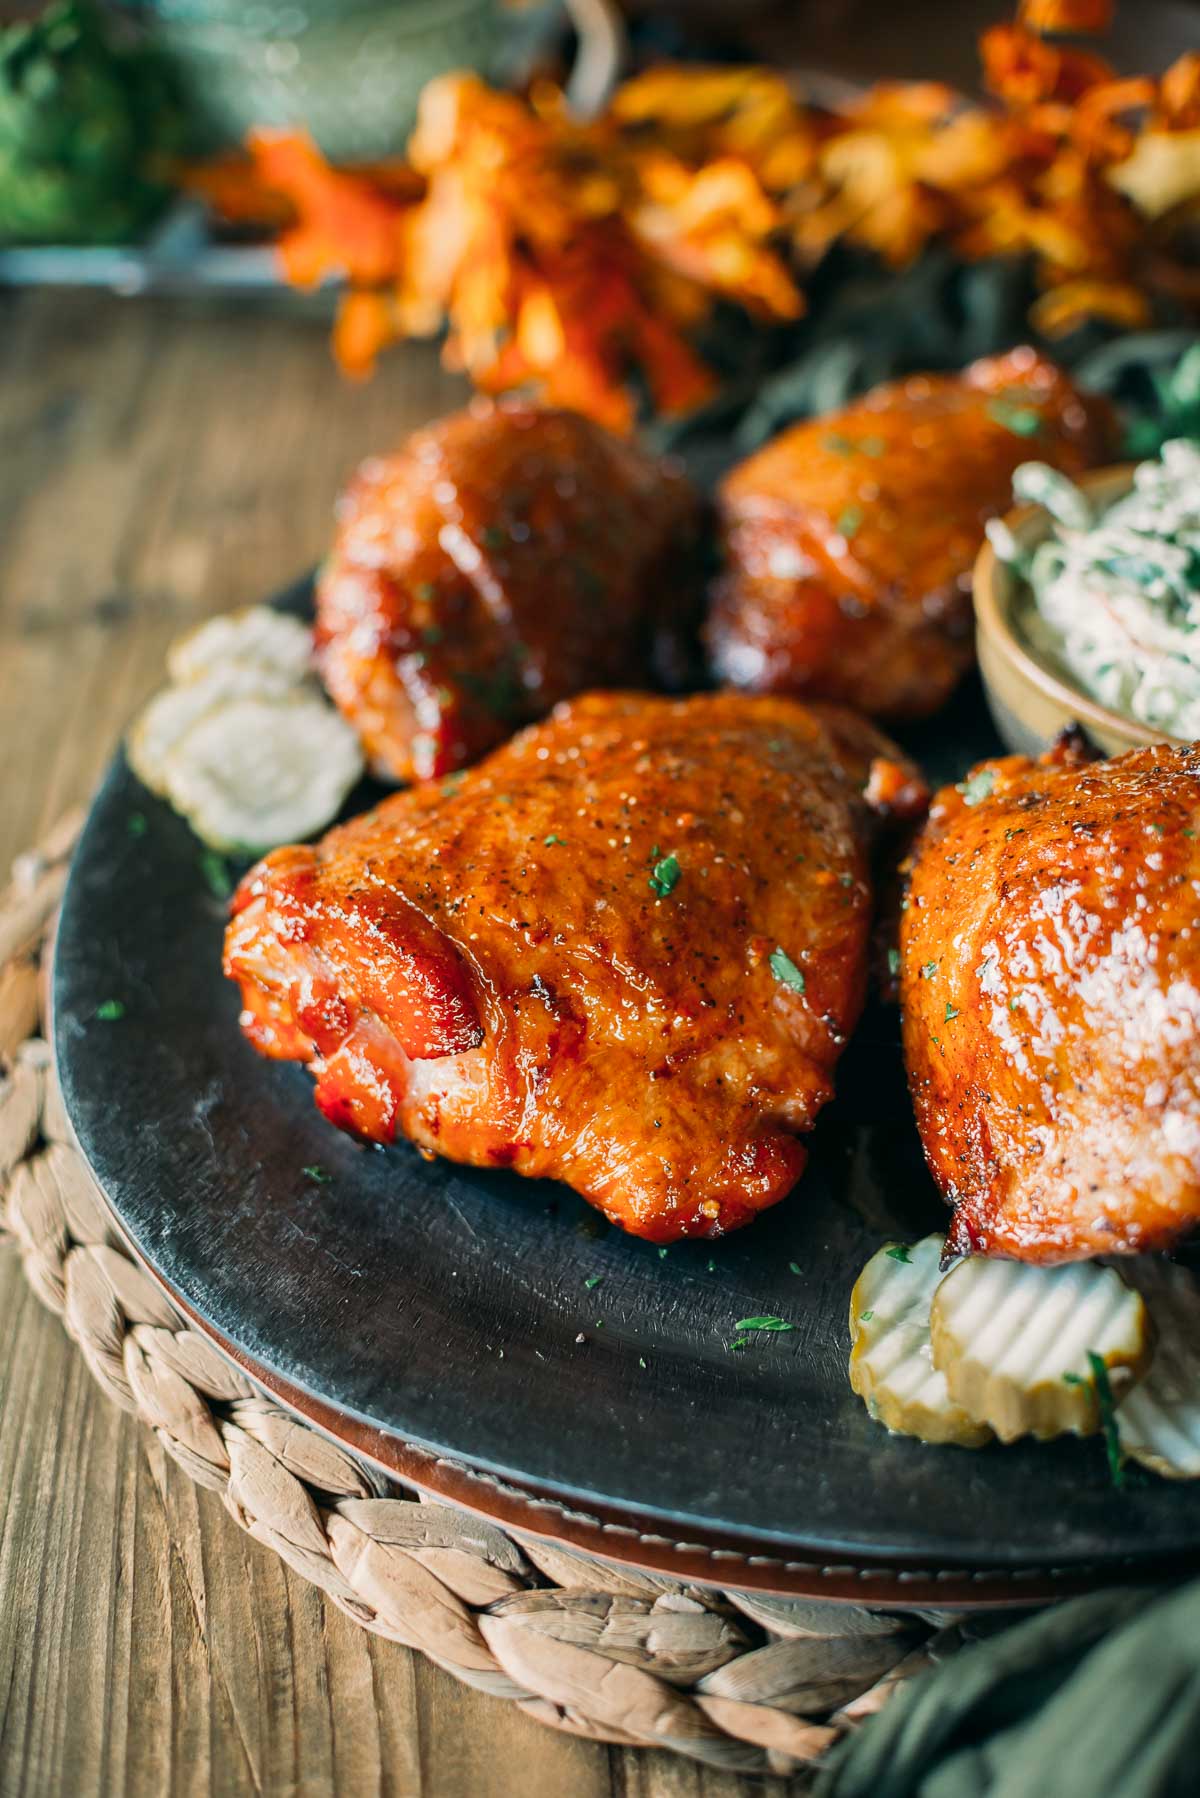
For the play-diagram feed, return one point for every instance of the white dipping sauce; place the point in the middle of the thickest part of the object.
(1117, 592)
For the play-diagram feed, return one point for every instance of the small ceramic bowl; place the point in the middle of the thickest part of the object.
(1031, 698)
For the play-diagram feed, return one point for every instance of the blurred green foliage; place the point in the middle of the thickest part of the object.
(88, 122)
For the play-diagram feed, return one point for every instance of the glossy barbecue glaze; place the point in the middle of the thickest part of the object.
(502, 560)
(849, 540)
(511, 969)
(1050, 980)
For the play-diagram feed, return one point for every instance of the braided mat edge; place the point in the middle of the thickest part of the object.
(734, 1679)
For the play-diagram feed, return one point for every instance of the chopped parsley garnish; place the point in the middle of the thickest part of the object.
(785, 970)
(893, 961)
(664, 875)
(929, 970)
(793, 1267)
(1022, 421)
(763, 1323)
(109, 1010)
(641, 1361)
(550, 840)
(739, 1342)
(711, 1267)
(592, 1281)
(135, 824)
(662, 1254)
(951, 1013)
(317, 1174)
(216, 875)
(864, 1317)
(977, 786)
(849, 521)
(898, 1252)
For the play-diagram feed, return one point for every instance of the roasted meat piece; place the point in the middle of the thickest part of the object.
(1050, 982)
(624, 952)
(501, 560)
(849, 540)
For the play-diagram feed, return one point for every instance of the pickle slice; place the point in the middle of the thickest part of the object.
(257, 637)
(891, 1368)
(262, 769)
(1015, 1343)
(1158, 1423)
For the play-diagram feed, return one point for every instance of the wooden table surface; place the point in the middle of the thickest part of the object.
(160, 461)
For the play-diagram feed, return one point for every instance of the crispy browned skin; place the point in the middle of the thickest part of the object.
(503, 559)
(849, 540)
(487, 967)
(1050, 979)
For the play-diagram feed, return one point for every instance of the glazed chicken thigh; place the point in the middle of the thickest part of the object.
(1050, 984)
(505, 558)
(849, 540)
(624, 952)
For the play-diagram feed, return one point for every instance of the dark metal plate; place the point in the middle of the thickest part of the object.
(501, 1320)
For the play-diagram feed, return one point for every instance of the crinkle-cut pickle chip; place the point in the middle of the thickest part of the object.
(891, 1368)
(1014, 1341)
(262, 769)
(1158, 1423)
(256, 637)
(160, 728)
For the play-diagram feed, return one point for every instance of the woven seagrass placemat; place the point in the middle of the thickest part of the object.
(734, 1679)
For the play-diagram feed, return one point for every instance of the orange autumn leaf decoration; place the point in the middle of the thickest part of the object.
(344, 224)
(1088, 18)
(581, 259)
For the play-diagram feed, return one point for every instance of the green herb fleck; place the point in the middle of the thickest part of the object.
(135, 824)
(317, 1174)
(763, 1323)
(739, 1342)
(664, 875)
(711, 1268)
(1108, 1418)
(898, 1252)
(551, 840)
(109, 1010)
(216, 874)
(592, 1281)
(864, 1317)
(977, 786)
(662, 1254)
(641, 1362)
(849, 521)
(785, 970)
(893, 961)
(793, 1267)
(951, 1013)
(929, 970)
(1074, 1379)
(1022, 421)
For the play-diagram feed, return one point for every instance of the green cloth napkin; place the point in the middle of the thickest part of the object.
(1096, 1698)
